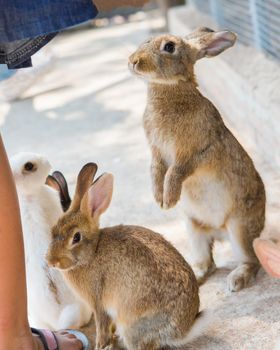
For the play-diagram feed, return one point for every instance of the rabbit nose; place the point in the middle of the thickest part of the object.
(133, 60)
(54, 263)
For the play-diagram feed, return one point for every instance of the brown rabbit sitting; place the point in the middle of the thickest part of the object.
(195, 157)
(129, 275)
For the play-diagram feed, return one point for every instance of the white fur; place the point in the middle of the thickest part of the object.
(120, 329)
(169, 152)
(196, 330)
(235, 239)
(40, 210)
(199, 249)
(112, 312)
(166, 146)
(206, 199)
(203, 198)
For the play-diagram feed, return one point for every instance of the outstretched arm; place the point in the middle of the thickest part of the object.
(13, 300)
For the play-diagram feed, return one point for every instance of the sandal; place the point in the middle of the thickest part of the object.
(49, 340)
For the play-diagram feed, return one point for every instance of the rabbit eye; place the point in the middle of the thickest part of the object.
(169, 47)
(28, 166)
(77, 238)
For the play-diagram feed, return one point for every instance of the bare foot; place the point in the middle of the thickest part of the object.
(27, 342)
(65, 340)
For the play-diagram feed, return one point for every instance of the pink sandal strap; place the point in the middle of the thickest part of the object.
(48, 338)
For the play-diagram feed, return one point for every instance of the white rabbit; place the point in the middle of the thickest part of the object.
(51, 303)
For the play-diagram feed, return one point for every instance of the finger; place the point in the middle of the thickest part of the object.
(269, 255)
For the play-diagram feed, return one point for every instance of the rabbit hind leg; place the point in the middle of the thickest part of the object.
(144, 334)
(141, 344)
(242, 233)
(200, 242)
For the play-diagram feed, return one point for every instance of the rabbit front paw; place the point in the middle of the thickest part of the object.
(157, 184)
(158, 171)
(171, 195)
(158, 195)
(105, 347)
(203, 270)
(103, 342)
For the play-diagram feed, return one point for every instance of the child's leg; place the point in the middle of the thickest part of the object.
(15, 333)
(13, 299)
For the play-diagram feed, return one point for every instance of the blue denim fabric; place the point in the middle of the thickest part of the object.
(28, 25)
(17, 54)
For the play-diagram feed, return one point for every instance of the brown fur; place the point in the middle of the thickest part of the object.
(190, 143)
(52, 285)
(129, 273)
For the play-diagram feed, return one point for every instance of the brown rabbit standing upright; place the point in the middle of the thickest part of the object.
(129, 275)
(195, 157)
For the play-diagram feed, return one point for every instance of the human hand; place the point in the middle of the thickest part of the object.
(268, 253)
(104, 5)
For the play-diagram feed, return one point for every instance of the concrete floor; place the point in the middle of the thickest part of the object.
(89, 108)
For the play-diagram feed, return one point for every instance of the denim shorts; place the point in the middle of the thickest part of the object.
(28, 25)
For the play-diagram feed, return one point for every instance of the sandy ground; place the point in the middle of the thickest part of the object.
(89, 108)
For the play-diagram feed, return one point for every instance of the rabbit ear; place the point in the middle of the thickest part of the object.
(98, 197)
(85, 179)
(63, 190)
(199, 32)
(210, 44)
(61, 187)
(269, 255)
(52, 182)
